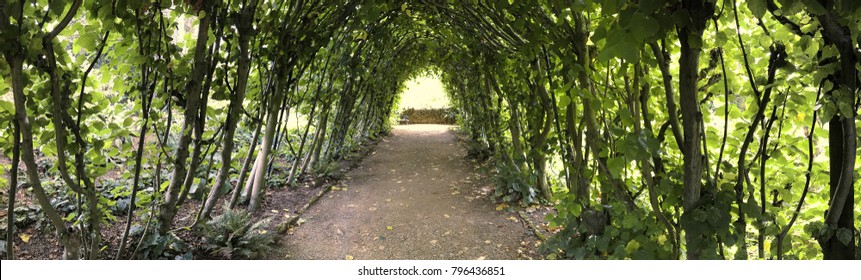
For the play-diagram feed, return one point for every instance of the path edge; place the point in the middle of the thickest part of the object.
(352, 163)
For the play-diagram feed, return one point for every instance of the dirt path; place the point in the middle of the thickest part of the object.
(415, 197)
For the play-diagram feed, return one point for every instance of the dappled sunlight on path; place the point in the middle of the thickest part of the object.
(413, 198)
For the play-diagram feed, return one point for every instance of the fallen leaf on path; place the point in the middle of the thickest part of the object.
(501, 206)
(349, 258)
(25, 237)
(512, 218)
(287, 216)
(487, 241)
(274, 210)
(390, 228)
(300, 221)
(481, 258)
(446, 216)
(372, 209)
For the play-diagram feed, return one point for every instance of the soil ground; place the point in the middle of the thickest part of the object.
(417, 181)
(415, 197)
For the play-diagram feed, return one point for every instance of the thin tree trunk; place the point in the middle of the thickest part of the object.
(842, 138)
(700, 11)
(200, 126)
(13, 190)
(667, 77)
(259, 186)
(514, 129)
(70, 241)
(246, 163)
(280, 132)
(167, 211)
(243, 69)
(299, 160)
(136, 180)
(318, 140)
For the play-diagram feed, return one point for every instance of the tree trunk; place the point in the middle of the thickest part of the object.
(137, 173)
(70, 241)
(317, 144)
(167, 210)
(298, 160)
(692, 32)
(237, 189)
(581, 37)
(13, 190)
(842, 139)
(200, 125)
(243, 69)
(259, 186)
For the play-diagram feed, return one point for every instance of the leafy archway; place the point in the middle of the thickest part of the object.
(658, 129)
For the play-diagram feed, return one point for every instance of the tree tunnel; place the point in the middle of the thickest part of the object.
(658, 129)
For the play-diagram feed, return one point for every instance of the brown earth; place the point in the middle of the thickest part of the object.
(280, 203)
(415, 197)
(417, 181)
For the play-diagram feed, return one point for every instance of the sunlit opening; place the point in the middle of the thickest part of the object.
(424, 92)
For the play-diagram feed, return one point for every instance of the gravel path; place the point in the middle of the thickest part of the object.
(415, 197)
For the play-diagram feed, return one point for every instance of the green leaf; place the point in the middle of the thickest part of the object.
(632, 246)
(649, 6)
(6, 106)
(105, 12)
(814, 7)
(612, 6)
(751, 209)
(616, 164)
(699, 215)
(757, 7)
(88, 41)
(630, 221)
(844, 235)
(643, 26)
(575, 209)
(564, 101)
(622, 45)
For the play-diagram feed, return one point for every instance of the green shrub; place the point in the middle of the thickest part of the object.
(163, 247)
(233, 235)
